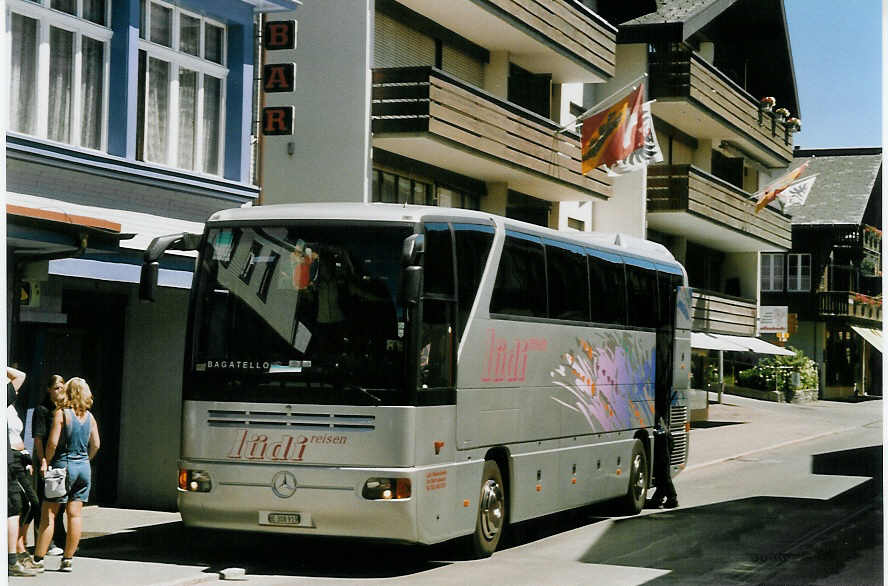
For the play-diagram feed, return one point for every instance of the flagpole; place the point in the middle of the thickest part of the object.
(603, 104)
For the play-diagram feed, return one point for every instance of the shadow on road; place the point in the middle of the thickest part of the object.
(762, 540)
(749, 541)
(708, 424)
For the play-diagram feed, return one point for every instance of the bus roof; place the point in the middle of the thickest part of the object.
(621, 244)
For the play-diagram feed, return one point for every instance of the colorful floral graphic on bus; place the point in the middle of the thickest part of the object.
(611, 382)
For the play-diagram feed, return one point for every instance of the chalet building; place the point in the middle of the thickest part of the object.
(709, 64)
(127, 119)
(831, 278)
(463, 102)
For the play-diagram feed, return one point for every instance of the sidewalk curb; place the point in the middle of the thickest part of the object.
(767, 448)
(203, 578)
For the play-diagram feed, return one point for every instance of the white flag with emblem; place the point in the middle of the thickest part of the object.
(797, 193)
(644, 155)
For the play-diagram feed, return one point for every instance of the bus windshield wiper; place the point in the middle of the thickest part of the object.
(363, 390)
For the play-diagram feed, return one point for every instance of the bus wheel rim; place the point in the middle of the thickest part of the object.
(491, 509)
(638, 474)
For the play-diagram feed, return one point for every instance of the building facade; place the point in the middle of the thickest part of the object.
(831, 279)
(127, 119)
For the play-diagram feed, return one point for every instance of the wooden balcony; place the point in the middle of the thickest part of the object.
(694, 96)
(872, 239)
(687, 190)
(718, 313)
(428, 115)
(561, 37)
(848, 304)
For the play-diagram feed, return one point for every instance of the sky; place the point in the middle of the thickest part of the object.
(837, 50)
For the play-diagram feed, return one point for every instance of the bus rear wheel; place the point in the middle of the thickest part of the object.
(491, 511)
(633, 501)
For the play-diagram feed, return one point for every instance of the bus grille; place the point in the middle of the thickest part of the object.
(306, 421)
(678, 418)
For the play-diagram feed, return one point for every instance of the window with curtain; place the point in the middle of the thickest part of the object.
(772, 272)
(181, 88)
(798, 272)
(59, 54)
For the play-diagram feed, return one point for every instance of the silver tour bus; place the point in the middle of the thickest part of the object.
(418, 374)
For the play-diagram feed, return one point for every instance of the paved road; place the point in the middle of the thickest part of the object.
(773, 494)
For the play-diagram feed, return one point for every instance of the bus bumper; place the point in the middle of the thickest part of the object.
(310, 500)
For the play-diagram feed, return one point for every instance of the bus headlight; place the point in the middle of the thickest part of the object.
(386, 489)
(194, 480)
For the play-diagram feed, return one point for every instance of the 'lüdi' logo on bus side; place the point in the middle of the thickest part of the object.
(509, 363)
(289, 448)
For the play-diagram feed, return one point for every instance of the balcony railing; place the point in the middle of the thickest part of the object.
(719, 313)
(872, 239)
(850, 305)
(677, 72)
(425, 100)
(686, 188)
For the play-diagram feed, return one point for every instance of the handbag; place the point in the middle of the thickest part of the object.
(54, 482)
(55, 479)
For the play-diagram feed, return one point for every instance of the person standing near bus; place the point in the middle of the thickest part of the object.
(53, 399)
(14, 470)
(665, 495)
(80, 446)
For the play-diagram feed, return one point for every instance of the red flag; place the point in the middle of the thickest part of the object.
(774, 189)
(613, 134)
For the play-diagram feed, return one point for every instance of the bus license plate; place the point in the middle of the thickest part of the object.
(283, 519)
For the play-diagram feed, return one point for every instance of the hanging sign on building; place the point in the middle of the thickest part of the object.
(279, 34)
(278, 77)
(773, 319)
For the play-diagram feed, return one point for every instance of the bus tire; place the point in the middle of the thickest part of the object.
(633, 501)
(491, 519)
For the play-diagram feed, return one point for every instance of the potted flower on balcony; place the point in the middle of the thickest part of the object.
(781, 114)
(767, 103)
(793, 124)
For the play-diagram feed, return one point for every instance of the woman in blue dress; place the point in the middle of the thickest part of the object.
(74, 451)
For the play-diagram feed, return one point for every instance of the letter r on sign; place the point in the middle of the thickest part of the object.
(277, 120)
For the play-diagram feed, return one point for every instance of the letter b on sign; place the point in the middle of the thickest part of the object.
(277, 120)
(279, 34)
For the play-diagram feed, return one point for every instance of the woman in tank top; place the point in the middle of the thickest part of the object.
(79, 446)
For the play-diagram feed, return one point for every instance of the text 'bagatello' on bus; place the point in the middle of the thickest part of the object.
(418, 374)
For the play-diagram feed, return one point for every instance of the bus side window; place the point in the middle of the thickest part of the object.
(473, 243)
(436, 350)
(438, 272)
(607, 283)
(568, 282)
(641, 288)
(520, 287)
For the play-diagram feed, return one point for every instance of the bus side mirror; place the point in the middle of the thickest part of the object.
(148, 281)
(414, 245)
(412, 284)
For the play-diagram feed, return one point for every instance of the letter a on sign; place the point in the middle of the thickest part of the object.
(278, 77)
(279, 34)
(277, 120)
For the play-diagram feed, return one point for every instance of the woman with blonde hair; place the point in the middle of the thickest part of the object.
(41, 423)
(80, 444)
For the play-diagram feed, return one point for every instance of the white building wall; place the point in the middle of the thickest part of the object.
(328, 156)
(744, 266)
(626, 210)
(151, 399)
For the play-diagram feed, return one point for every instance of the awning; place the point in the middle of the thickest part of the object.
(871, 335)
(707, 341)
(113, 271)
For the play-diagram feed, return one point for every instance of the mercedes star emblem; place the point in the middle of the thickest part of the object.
(283, 484)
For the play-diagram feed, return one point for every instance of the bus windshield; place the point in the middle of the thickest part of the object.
(300, 313)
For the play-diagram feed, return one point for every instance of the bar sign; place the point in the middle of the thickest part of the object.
(277, 120)
(278, 77)
(279, 34)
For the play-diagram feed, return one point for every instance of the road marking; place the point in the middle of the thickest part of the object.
(767, 448)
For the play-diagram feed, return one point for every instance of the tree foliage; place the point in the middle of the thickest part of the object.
(779, 368)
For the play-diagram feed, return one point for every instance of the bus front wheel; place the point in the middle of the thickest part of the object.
(633, 501)
(491, 511)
